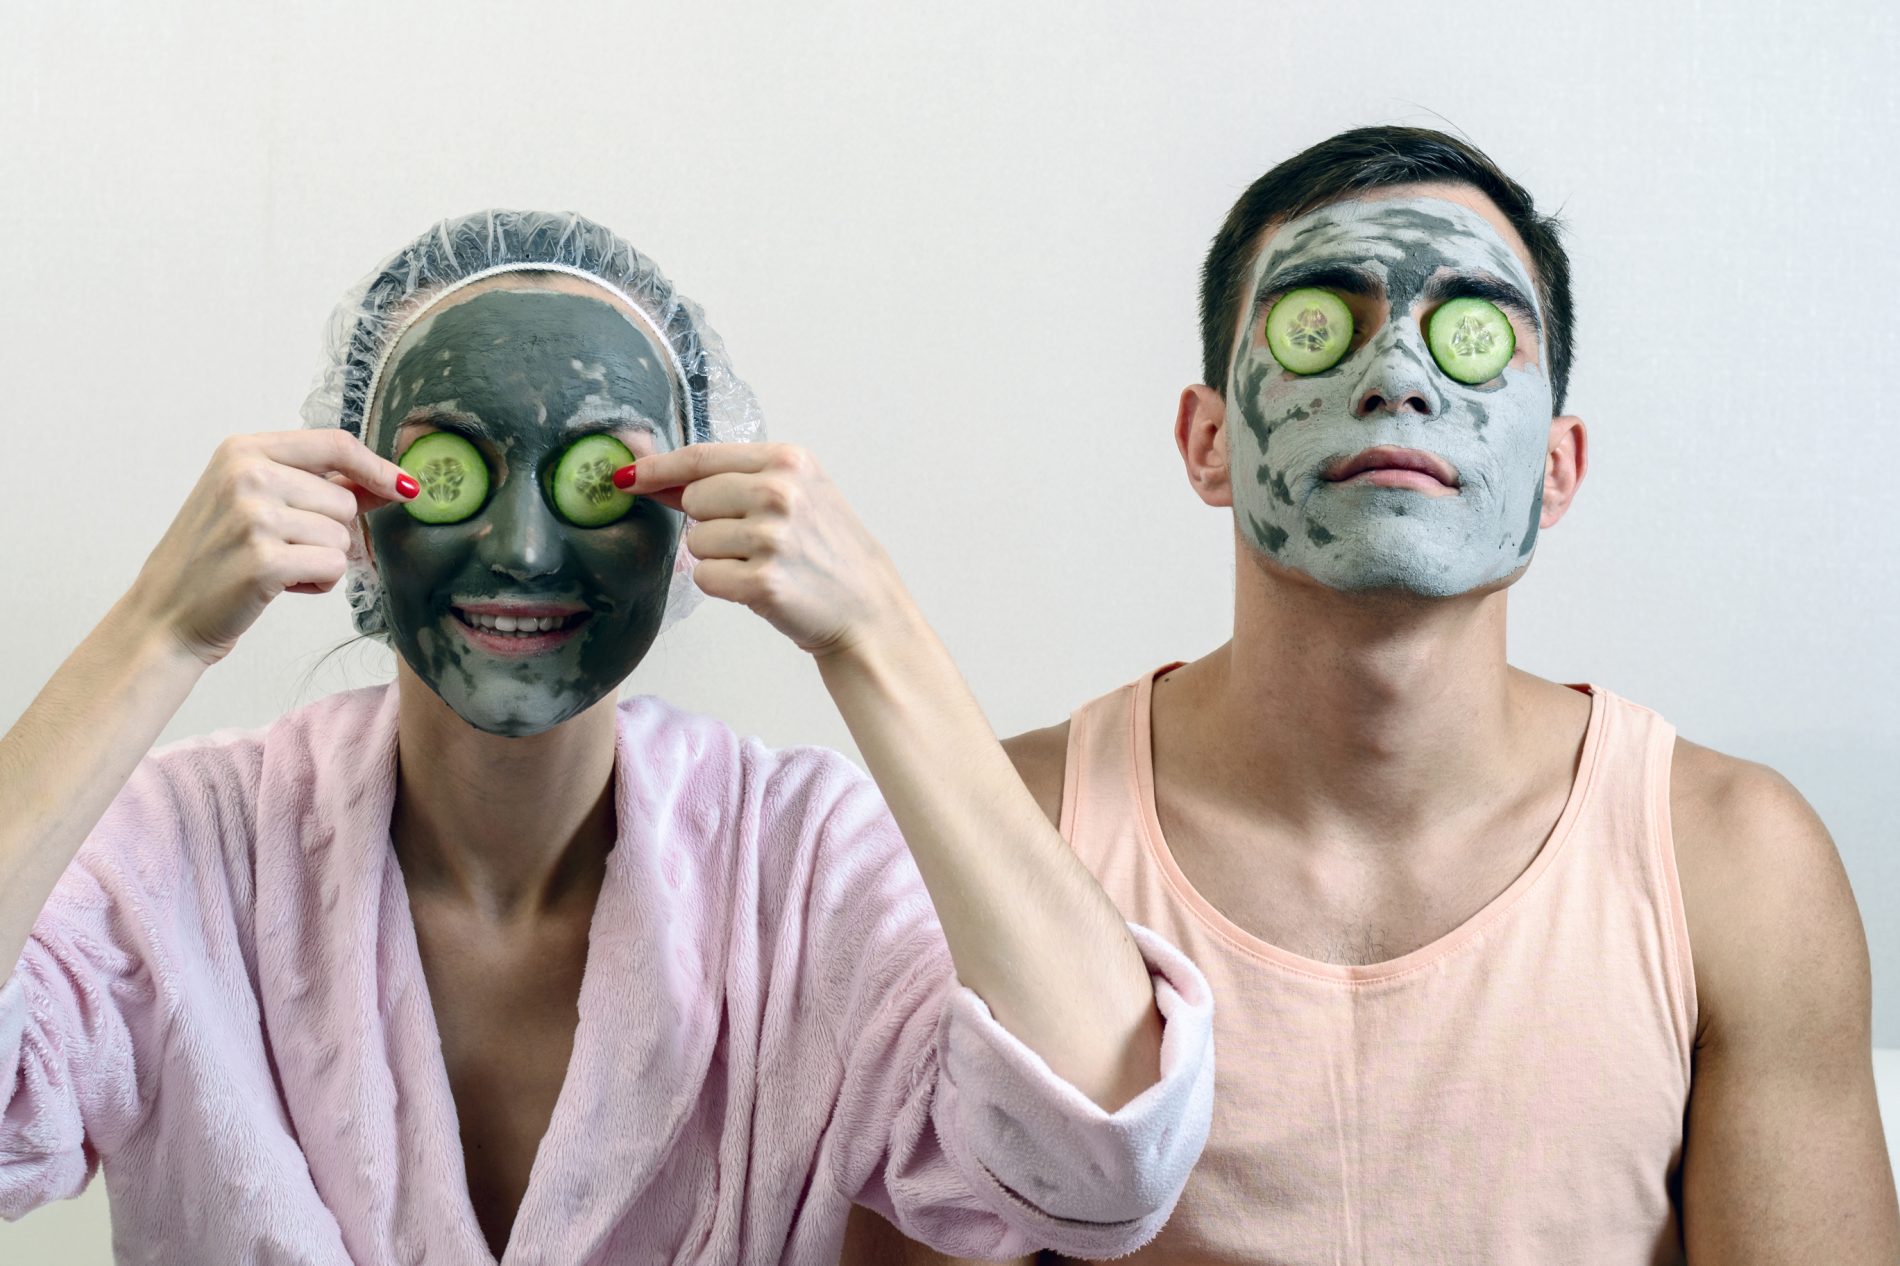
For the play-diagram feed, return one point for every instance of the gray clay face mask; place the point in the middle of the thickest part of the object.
(522, 374)
(1286, 430)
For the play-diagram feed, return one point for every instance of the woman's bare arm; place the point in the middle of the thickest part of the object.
(73, 749)
(1028, 927)
(264, 519)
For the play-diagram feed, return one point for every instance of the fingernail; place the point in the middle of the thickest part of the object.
(407, 487)
(624, 477)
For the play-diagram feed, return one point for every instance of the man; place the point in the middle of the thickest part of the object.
(1504, 970)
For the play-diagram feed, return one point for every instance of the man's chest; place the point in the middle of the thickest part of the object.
(1351, 905)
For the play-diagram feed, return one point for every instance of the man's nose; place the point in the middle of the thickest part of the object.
(1398, 377)
(524, 539)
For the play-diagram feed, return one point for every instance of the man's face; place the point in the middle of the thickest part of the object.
(522, 370)
(1393, 259)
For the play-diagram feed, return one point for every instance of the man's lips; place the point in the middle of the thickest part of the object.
(1391, 467)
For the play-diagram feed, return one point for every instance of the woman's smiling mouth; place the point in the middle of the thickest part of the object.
(516, 630)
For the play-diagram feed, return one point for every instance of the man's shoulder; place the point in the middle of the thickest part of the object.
(1764, 893)
(1712, 795)
(1740, 818)
(1042, 756)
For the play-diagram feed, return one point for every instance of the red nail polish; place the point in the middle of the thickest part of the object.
(624, 477)
(407, 486)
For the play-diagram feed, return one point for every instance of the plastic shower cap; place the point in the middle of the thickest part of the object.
(370, 319)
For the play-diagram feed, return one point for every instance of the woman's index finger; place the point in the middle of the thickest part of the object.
(694, 462)
(326, 451)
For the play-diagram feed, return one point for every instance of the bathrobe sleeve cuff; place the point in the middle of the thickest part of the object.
(1070, 1175)
(13, 1021)
(42, 1157)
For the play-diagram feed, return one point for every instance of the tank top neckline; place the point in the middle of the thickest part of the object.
(1142, 736)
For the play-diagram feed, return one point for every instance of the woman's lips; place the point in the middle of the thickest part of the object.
(1389, 467)
(486, 627)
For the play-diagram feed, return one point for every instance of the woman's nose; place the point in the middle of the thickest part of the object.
(1398, 378)
(524, 540)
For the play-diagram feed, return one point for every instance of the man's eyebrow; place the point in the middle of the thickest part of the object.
(1482, 286)
(1341, 277)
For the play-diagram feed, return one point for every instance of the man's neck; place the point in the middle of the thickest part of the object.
(512, 826)
(1356, 716)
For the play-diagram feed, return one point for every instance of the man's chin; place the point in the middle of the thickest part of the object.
(1393, 560)
(1413, 574)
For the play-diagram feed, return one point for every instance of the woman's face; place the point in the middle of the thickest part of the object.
(522, 367)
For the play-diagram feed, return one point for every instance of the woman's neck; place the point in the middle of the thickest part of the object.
(510, 825)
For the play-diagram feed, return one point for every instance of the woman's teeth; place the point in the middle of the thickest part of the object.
(519, 625)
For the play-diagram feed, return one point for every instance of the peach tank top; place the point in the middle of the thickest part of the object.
(1513, 1092)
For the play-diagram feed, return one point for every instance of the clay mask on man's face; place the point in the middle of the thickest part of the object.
(522, 374)
(1403, 256)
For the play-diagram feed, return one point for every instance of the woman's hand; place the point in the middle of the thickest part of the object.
(774, 534)
(270, 515)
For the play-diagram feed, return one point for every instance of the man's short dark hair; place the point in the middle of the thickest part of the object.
(1349, 164)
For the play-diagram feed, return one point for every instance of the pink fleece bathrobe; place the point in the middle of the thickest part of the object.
(223, 1003)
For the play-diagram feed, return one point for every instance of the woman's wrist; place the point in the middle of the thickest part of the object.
(135, 632)
(881, 645)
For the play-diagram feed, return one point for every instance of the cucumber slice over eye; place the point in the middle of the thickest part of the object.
(584, 489)
(453, 476)
(1470, 339)
(1309, 330)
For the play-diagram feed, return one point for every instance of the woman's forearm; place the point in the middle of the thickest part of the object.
(72, 751)
(1028, 927)
(1030, 930)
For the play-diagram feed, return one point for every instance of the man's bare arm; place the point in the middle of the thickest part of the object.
(1784, 1161)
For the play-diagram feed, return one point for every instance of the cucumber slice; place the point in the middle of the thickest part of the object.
(1309, 330)
(584, 489)
(453, 476)
(1470, 339)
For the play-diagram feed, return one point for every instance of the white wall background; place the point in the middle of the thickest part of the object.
(954, 248)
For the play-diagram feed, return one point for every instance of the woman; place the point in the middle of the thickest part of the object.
(482, 965)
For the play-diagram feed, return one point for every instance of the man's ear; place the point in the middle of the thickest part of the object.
(1566, 459)
(1200, 432)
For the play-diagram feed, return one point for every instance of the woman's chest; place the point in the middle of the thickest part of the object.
(430, 1068)
(506, 1007)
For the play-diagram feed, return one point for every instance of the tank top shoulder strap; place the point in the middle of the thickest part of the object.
(1101, 782)
(1628, 816)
